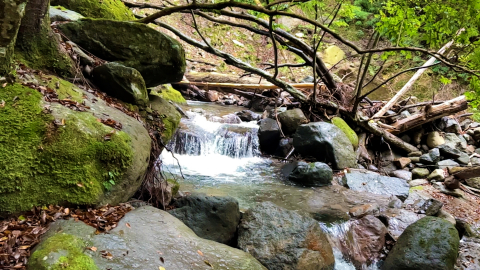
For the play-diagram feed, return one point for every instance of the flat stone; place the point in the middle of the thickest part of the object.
(418, 182)
(402, 162)
(455, 192)
(415, 154)
(449, 152)
(473, 182)
(463, 159)
(455, 141)
(403, 174)
(415, 159)
(420, 173)
(398, 220)
(447, 164)
(437, 175)
(432, 157)
(363, 210)
(377, 184)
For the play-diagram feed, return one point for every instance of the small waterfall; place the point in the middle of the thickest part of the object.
(200, 137)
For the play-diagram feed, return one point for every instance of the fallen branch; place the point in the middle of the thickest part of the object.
(429, 114)
(372, 127)
(246, 86)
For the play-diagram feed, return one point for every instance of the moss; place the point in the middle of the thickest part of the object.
(341, 124)
(69, 251)
(412, 189)
(167, 92)
(106, 9)
(175, 186)
(44, 164)
(65, 90)
(168, 114)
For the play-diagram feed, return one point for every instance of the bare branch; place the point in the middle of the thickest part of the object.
(275, 51)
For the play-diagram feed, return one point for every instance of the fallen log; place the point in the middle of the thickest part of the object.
(468, 173)
(372, 127)
(430, 113)
(244, 86)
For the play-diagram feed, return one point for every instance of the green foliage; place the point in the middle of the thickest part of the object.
(44, 164)
(105, 9)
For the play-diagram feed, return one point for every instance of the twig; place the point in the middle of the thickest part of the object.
(200, 61)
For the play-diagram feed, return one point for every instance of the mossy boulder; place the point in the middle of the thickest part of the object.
(146, 238)
(167, 92)
(159, 58)
(124, 83)
(351, 135)
(11, 13)
(105, 9)
(50, 154)
(168, 114)
(430, 243)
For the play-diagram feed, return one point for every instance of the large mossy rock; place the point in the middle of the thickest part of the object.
(146, 238)
(326, 143)
(50, 154)
(159, 58)
(213, 218)
(167, 114)
(351, 135)
(430, 243)
(124, 83)
(283, 239)
(105, 9)
(167, 92)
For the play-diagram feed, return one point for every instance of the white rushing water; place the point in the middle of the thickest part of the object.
(224, 159)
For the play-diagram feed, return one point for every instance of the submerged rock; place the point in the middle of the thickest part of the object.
(122, 82)
(326, 143)
(376, 183)
(213, 218)
(159, 58)
(283, 239)
(430, 243)
(312, 174)
(146, 238)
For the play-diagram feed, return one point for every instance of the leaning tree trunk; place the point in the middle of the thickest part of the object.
(11, 13)
(37, 43)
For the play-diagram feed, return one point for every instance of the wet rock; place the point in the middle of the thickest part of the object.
(284, 147)
(420, 173)
(418, 182)
(403, 174)
(377, 184)
(312, 174)
(402, 162)
(432, 157)
(326, 143)
(430, 243)
(363, 210)
(431, 207)
(437, 175)
(434, 139)
(473, 182)
(212, 96)
(124, 83)
(283, 239)
(333, 213)
(468, 258)
(268, 135)
(369, 238)
(397, 220)
(146, 238)
(210, 217)
(247, 116)
(291, 119)
(447, 164)
(230, 119)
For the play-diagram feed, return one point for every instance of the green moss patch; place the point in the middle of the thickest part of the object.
(167, 92)
(64, 89)
(61, 251)
(106, 9)
(341, 124)
(44, 164)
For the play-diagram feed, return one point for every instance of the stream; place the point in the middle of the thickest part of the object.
(224, 160)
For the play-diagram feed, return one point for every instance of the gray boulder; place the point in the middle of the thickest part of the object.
(376, 183)
(57, 14)
(268, 135)
(447, 164)
(430, 243)
(159, 58)
(326, 143)
(284, 240)
(213, 218)
(449, 152)
(291, 119)
(146, 238)
(124, 83)
(312, 174)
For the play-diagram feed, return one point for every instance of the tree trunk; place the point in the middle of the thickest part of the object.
(38, 44)
(11, 13)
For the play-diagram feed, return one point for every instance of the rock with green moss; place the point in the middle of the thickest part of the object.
(11, 13)
(159, 58)
(61, 156)
(135, 243)
(351, 135)
(168, 114)
(124, 83)
(166, 91)
(105, 9)
(430, 243)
